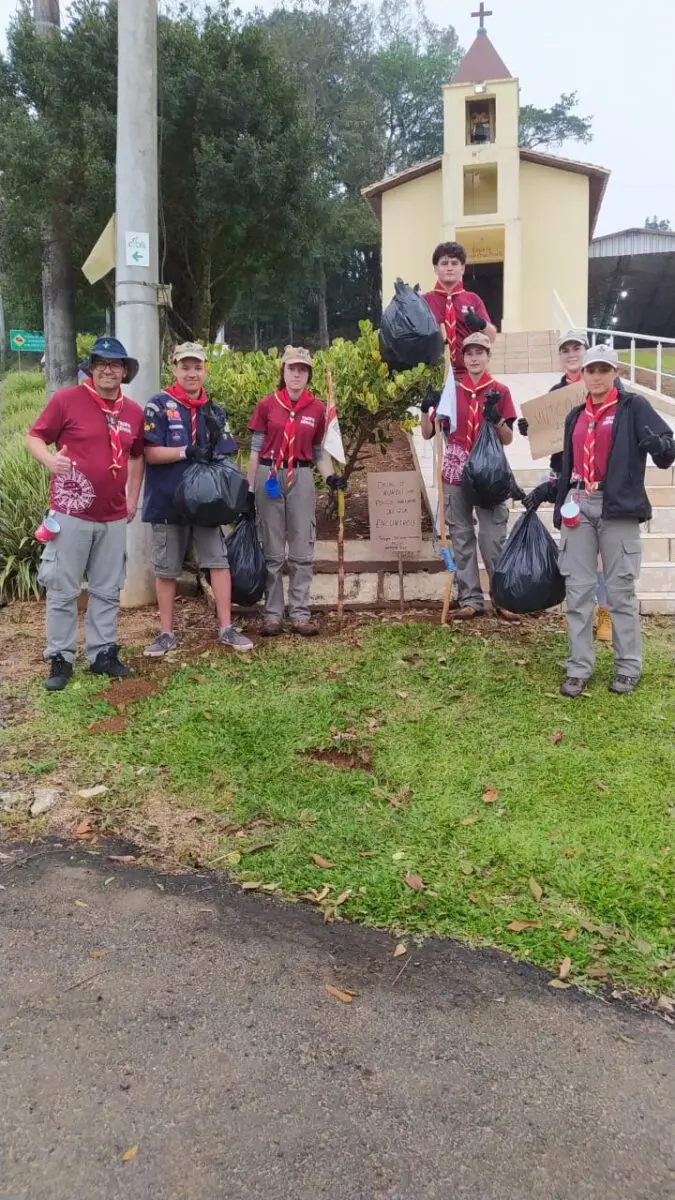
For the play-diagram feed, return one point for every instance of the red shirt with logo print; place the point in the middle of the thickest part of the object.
(73, 422)
(462, 301)
(270, 417)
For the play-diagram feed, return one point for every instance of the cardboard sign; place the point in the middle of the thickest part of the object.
(395, 513)
(546, 415)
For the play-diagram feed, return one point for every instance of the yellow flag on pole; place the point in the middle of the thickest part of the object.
(102, 257)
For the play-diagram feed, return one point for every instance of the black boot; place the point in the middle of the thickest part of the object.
(107, 663)
(60, 671)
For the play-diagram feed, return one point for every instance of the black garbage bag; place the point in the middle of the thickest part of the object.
(487, 479)
(212, 493)
(247, 562)
(526, 577)
(409, 332)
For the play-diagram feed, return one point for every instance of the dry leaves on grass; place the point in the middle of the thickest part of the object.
(521, 926)
(535, 889)
(490, 795)
(92, 792)
(338, 993)
(415, 882)
(569, 934)
(468, 821)
(602, 787)
(324, 863)
(565, 968)
(557, 737)
(131, 1153)
(559, 983)
(400, 949)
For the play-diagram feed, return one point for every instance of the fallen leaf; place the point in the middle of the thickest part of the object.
(233, 858)
(99, 953)
(596, 972)
(402, 798)
(270, 887)
(519, 926)
(403, 695)
(258, 847)
(251, 885)
(129, 1154)
(519, 662)
(339, 994)
(565, 968)
(400, 949)
(473, 898)
(466, 868)
(321, 862)
(122, 858)
(415, 882)
(398, 855)
(535, 888)
(642, 946)
(207, 716)
(343, 896)
(600, 786)
(569, 934)
(109, 880)
(93, 792)
(664, 1004)
(468, 821)
(569, 851)
(83, 830)
(81, 904)
(490, 795)
(557, 737)
(558, 983)
(367, 853)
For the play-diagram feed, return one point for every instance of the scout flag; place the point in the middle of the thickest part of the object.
(332, 438)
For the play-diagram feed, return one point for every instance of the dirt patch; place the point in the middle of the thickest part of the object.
(108, 725)
(340, 759)
(127, 691)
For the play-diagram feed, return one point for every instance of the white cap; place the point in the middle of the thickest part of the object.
(602, 353)
(573, 335)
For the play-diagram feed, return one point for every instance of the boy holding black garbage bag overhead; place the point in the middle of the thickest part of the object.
(183, 427)
(480, 399)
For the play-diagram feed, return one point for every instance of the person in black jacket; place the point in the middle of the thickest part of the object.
(606, 443)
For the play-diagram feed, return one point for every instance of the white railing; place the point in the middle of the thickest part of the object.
(630, 355)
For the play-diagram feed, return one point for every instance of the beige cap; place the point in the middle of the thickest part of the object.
(189, 350)
(297, 354)
(573, 335)
(478, 339)
(602, 353)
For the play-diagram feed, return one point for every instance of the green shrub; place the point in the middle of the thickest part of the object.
(25, 498)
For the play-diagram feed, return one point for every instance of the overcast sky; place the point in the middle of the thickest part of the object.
(618, 56)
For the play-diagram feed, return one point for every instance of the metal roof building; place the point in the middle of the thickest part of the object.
(632, 281)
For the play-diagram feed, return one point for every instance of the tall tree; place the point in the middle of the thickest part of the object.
(555, 125)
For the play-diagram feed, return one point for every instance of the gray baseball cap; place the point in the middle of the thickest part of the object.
(602, 353)
(573, 335)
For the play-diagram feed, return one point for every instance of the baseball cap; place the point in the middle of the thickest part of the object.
(602, 353)
(189, 350)
(296, 354)
(573, 335)
(477, 339)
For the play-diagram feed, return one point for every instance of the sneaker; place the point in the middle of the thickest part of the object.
(235, 640)
(107, 663)
(60, 671)
(161, 645)
(623, 684)
(572, 686)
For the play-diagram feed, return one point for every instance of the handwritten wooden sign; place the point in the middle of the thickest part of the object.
(395, 513)
(546, 416)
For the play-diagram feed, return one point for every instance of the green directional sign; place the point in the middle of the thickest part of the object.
(25, 340)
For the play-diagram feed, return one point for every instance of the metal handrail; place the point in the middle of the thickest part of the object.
(659, 342)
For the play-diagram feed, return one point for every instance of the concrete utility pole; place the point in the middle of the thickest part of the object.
(58, 290)
(137, 265)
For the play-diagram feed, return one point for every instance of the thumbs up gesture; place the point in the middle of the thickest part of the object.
(61, 464)
(651, 443)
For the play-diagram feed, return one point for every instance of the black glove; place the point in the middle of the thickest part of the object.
(523, 426)
(490, 413)
(517, 492)
(652, 443)
(431, 400)
(200, 454)
(473, 321)
(337, 483)
(251, 503)
(543, 491)
(215, 423)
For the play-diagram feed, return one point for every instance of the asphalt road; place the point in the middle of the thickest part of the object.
(205, 1037)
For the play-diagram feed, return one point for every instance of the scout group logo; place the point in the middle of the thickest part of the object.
(453, 464)
(72, 493)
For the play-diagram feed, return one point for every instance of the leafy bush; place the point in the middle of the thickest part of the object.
(25, 497)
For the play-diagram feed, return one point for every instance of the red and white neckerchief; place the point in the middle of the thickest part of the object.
(595, 413)
(475, 408)
(193, 403)
(450, 320)
(286, 452)
(569, 379)
(111, 411)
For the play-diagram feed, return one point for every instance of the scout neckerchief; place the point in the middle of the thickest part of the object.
(450, 321)
(286, 451)
(475, 411)
(595, 413)
(193, 403)
(569, 379)
(111, 411)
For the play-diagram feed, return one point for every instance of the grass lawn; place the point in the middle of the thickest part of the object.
(469, 797)
(647, 359)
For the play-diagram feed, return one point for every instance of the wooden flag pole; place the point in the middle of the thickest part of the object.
(438, 448)
(341, 523)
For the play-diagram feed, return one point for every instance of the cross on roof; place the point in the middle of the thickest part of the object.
(481, 14)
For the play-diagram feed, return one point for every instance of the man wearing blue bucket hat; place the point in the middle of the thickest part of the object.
(96, 476)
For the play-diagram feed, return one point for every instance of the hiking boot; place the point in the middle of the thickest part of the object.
(60, 671)
(465, 613)
(505, 615)
(235, 640)
(623, 684)
(573, 686)
(603, 624)
(305, 628)
(271, 627)
(107, 663)
(161, 645)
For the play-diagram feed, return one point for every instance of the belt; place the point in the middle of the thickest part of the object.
(299, 462)
(579, 486)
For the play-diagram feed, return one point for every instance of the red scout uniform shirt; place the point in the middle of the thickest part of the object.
(270, 418)
(457, 448)
(72, 420)
(603, 441)
(461, 300)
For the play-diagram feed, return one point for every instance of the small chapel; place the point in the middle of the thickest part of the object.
(525, 218)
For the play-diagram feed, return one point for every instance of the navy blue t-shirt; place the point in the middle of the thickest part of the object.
(168, 423)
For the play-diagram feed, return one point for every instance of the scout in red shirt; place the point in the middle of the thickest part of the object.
(288, 428)
(97, 472)
(479, 398)
(457, 311)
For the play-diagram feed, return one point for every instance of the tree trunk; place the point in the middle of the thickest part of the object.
(58, 304)
(204, 303)
(290, 329)
(256, 334)
(3, 333)
(322, 305)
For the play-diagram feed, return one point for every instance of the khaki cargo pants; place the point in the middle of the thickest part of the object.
(289, 521)
(492, 523)
(617, 541)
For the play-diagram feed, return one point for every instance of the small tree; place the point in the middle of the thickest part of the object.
(555, 125)
(654, 223)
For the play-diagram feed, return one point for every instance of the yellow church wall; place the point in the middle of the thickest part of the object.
(411, 228)
(554, 240)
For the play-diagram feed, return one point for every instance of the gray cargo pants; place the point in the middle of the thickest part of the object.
(618, 543)
(290, 520)
(492, 524)
(97, 549)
